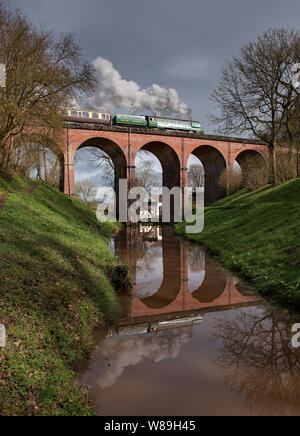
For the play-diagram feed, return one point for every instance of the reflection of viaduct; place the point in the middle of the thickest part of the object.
(218, 291)
(173, 150)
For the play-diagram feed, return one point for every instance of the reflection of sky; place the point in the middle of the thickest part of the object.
(112, 245)
(123, 351)
(200, 371)
(170, 372)
(196, 268)
(195, 280)
(149, 272)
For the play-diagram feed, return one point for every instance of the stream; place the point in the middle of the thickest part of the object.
(192, 339)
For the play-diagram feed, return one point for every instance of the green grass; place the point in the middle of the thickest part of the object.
(257, 234)
(54, 289)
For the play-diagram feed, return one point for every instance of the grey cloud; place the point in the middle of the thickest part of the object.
(190, 68)
(153, 42)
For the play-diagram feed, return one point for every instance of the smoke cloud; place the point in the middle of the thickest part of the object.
(124, 351)
(114, 93)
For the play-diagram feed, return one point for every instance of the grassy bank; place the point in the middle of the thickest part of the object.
(54, 289)
(258, 235)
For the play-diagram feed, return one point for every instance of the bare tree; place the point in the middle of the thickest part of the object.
(146, 176)
(102, 160)
(38, 162)
(293, 131)
(43, 75)
(85, 191)
(256, 93)
(196, 176)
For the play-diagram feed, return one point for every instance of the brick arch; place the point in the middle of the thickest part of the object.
(253, 158)
(50, 144)
(41, 139)
(214, 164)
(111, 148)
(243, 155)
(221, 152)
(260, 152)
(169, 160)
(114, 151)
(171, 284)
(212, 287)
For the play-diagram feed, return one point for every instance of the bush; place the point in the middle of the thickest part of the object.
(256, 173)
(286, 166)
(120, 278)
(230, 181)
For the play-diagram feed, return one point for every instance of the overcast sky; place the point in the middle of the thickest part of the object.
(173, 43)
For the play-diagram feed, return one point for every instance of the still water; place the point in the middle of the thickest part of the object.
(192, 339)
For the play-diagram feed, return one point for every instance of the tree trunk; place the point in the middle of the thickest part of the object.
(274, 165)
(297, 160)
(45, 164)
(38, 163)
(7, 155)
(1, 154)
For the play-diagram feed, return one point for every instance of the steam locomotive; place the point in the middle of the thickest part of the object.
(149, 121)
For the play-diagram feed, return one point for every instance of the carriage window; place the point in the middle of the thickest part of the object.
(85, 115)
(95, 116)
(74, 114)
(103, 116)
(64, 112)
(108, 117)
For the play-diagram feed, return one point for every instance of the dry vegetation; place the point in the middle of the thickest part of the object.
(231, 181)
(255, 173)
(43, 74)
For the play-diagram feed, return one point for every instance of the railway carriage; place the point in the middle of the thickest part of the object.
(174, 124)
(86, 116)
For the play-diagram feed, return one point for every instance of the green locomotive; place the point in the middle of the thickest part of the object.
(157, 122)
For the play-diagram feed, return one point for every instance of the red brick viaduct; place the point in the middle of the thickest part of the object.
(175, 295)
(173, 150)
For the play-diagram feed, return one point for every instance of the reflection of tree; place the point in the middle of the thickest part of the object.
(197, 259)
(258, 362)
(196, 176)
(146, 255)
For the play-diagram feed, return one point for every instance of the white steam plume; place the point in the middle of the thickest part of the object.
(114, 92)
